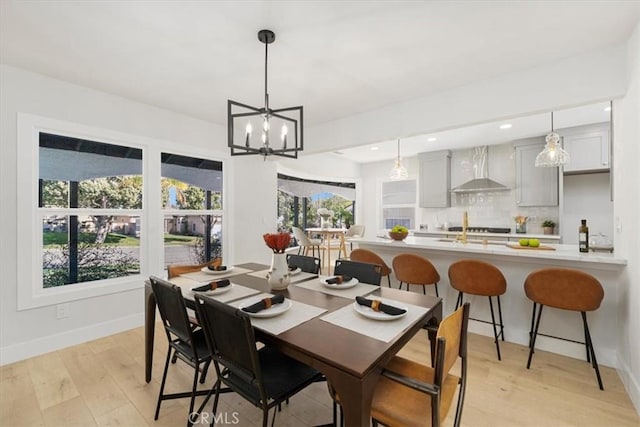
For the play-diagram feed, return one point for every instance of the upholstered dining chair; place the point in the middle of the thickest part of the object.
(186, 344)
(354, 232)
(305, 243)
(264, 377)
(413, 269)
(363, 271)
(415, 394)
(307, 264)
(566, 289)
(365, 255)
(474, 277)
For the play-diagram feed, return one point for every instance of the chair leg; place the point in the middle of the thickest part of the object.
(436, 285)
(458, 300)
(495, 330)
(535, 334)
(533, 317)
(205, 369)
(500, 314)
(193, 397)
(164, 379)
(389, 279)
(594, 362)
(424, 290)
(217, 386)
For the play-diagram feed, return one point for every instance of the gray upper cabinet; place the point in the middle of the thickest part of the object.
(435, 179)
(588, 148)
(534, 186)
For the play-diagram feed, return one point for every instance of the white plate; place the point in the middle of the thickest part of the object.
(344, 285)
(214, 292)
(274, 310)
(378, 315)
(205, 269)
(296, 271)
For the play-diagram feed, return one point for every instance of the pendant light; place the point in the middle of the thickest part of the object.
(398, 171)
(264, 130)
(552, 155)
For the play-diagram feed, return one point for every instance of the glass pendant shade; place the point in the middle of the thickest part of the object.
(398, 171)
(553, 155)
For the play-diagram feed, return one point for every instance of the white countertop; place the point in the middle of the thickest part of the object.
(561, 252)
(423, 233)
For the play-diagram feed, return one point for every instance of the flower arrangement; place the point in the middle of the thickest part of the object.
(277, 242)
(325, 213)
(521, 219)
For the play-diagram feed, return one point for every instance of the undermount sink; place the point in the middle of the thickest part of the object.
(482, 242)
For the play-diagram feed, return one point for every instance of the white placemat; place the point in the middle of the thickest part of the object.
(297, 314)
(296, 278)
(201, 276)
(358, 290)
(386, 330)
(236, 292)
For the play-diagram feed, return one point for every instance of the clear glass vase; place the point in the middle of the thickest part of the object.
(278, 275)
(521, 227)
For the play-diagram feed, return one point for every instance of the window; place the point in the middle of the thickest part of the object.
(81, 193)
(192, 208)
(399, 203)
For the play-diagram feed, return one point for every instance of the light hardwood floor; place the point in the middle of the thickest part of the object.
(102, 383)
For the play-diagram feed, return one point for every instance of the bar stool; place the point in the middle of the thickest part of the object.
(415, 270)
(365, 255)
(473, 277)
(566, 289)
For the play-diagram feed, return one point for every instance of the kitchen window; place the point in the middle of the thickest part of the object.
(399, 201)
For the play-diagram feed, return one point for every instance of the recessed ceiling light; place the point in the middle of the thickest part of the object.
(432, 139)
(374, 148)
(607, 108)
(506, 126)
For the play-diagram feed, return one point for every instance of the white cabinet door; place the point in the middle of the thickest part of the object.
(435, 179)
(534, 186)
(588, 150)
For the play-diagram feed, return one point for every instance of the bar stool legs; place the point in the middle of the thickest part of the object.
(496, 335)
(591, 354)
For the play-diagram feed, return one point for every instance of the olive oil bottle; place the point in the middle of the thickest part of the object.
(583, 236)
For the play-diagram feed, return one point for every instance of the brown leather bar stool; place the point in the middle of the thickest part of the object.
(415, 270)
(474, 277)
(568, 290)
(365, 255)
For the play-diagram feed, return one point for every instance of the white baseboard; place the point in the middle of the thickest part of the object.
(24, 350)
(631, 383)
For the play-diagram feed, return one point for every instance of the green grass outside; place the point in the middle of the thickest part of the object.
(51, 238)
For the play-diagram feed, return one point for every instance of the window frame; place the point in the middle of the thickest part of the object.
(30, 291)
(383, 206)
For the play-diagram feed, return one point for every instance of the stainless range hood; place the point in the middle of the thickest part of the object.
(481, 182)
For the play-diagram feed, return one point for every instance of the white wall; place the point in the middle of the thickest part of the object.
(34, 331)
(626, 212)
(586, 197)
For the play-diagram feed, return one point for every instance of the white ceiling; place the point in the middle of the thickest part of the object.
(334, 58)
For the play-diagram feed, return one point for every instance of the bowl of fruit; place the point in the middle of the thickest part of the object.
(399, 232)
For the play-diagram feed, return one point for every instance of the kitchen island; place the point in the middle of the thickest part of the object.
(516, 264)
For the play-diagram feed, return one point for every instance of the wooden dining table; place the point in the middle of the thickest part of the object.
(351, 361)
(327, 236)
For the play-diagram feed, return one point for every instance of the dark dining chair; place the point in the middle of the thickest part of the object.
(305, 263)
(186, 344)
(365, 255)
(264, 377)
(363, 271)
(410, 393)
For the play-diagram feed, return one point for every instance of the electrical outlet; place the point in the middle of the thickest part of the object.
(62, 310)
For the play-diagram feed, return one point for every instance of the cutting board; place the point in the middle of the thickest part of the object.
(539, 248)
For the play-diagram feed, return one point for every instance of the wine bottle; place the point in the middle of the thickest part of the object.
(583, 237)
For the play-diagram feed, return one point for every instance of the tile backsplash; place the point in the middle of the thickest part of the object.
(491, 209)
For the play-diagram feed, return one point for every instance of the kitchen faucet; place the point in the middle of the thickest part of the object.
(462, 237)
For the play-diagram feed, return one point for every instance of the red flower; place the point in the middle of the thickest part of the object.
(278, 242)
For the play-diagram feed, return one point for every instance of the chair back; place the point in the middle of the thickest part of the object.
(414, 269)
(301, 237)
(365, 255)
(172, 309)
(355, 231)
(451, 343)
(564, 288)
(178, 269)
(475, 277)
(231, 341)
(363, 271)
(308, 264)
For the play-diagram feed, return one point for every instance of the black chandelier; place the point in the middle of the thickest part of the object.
(280, 130)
